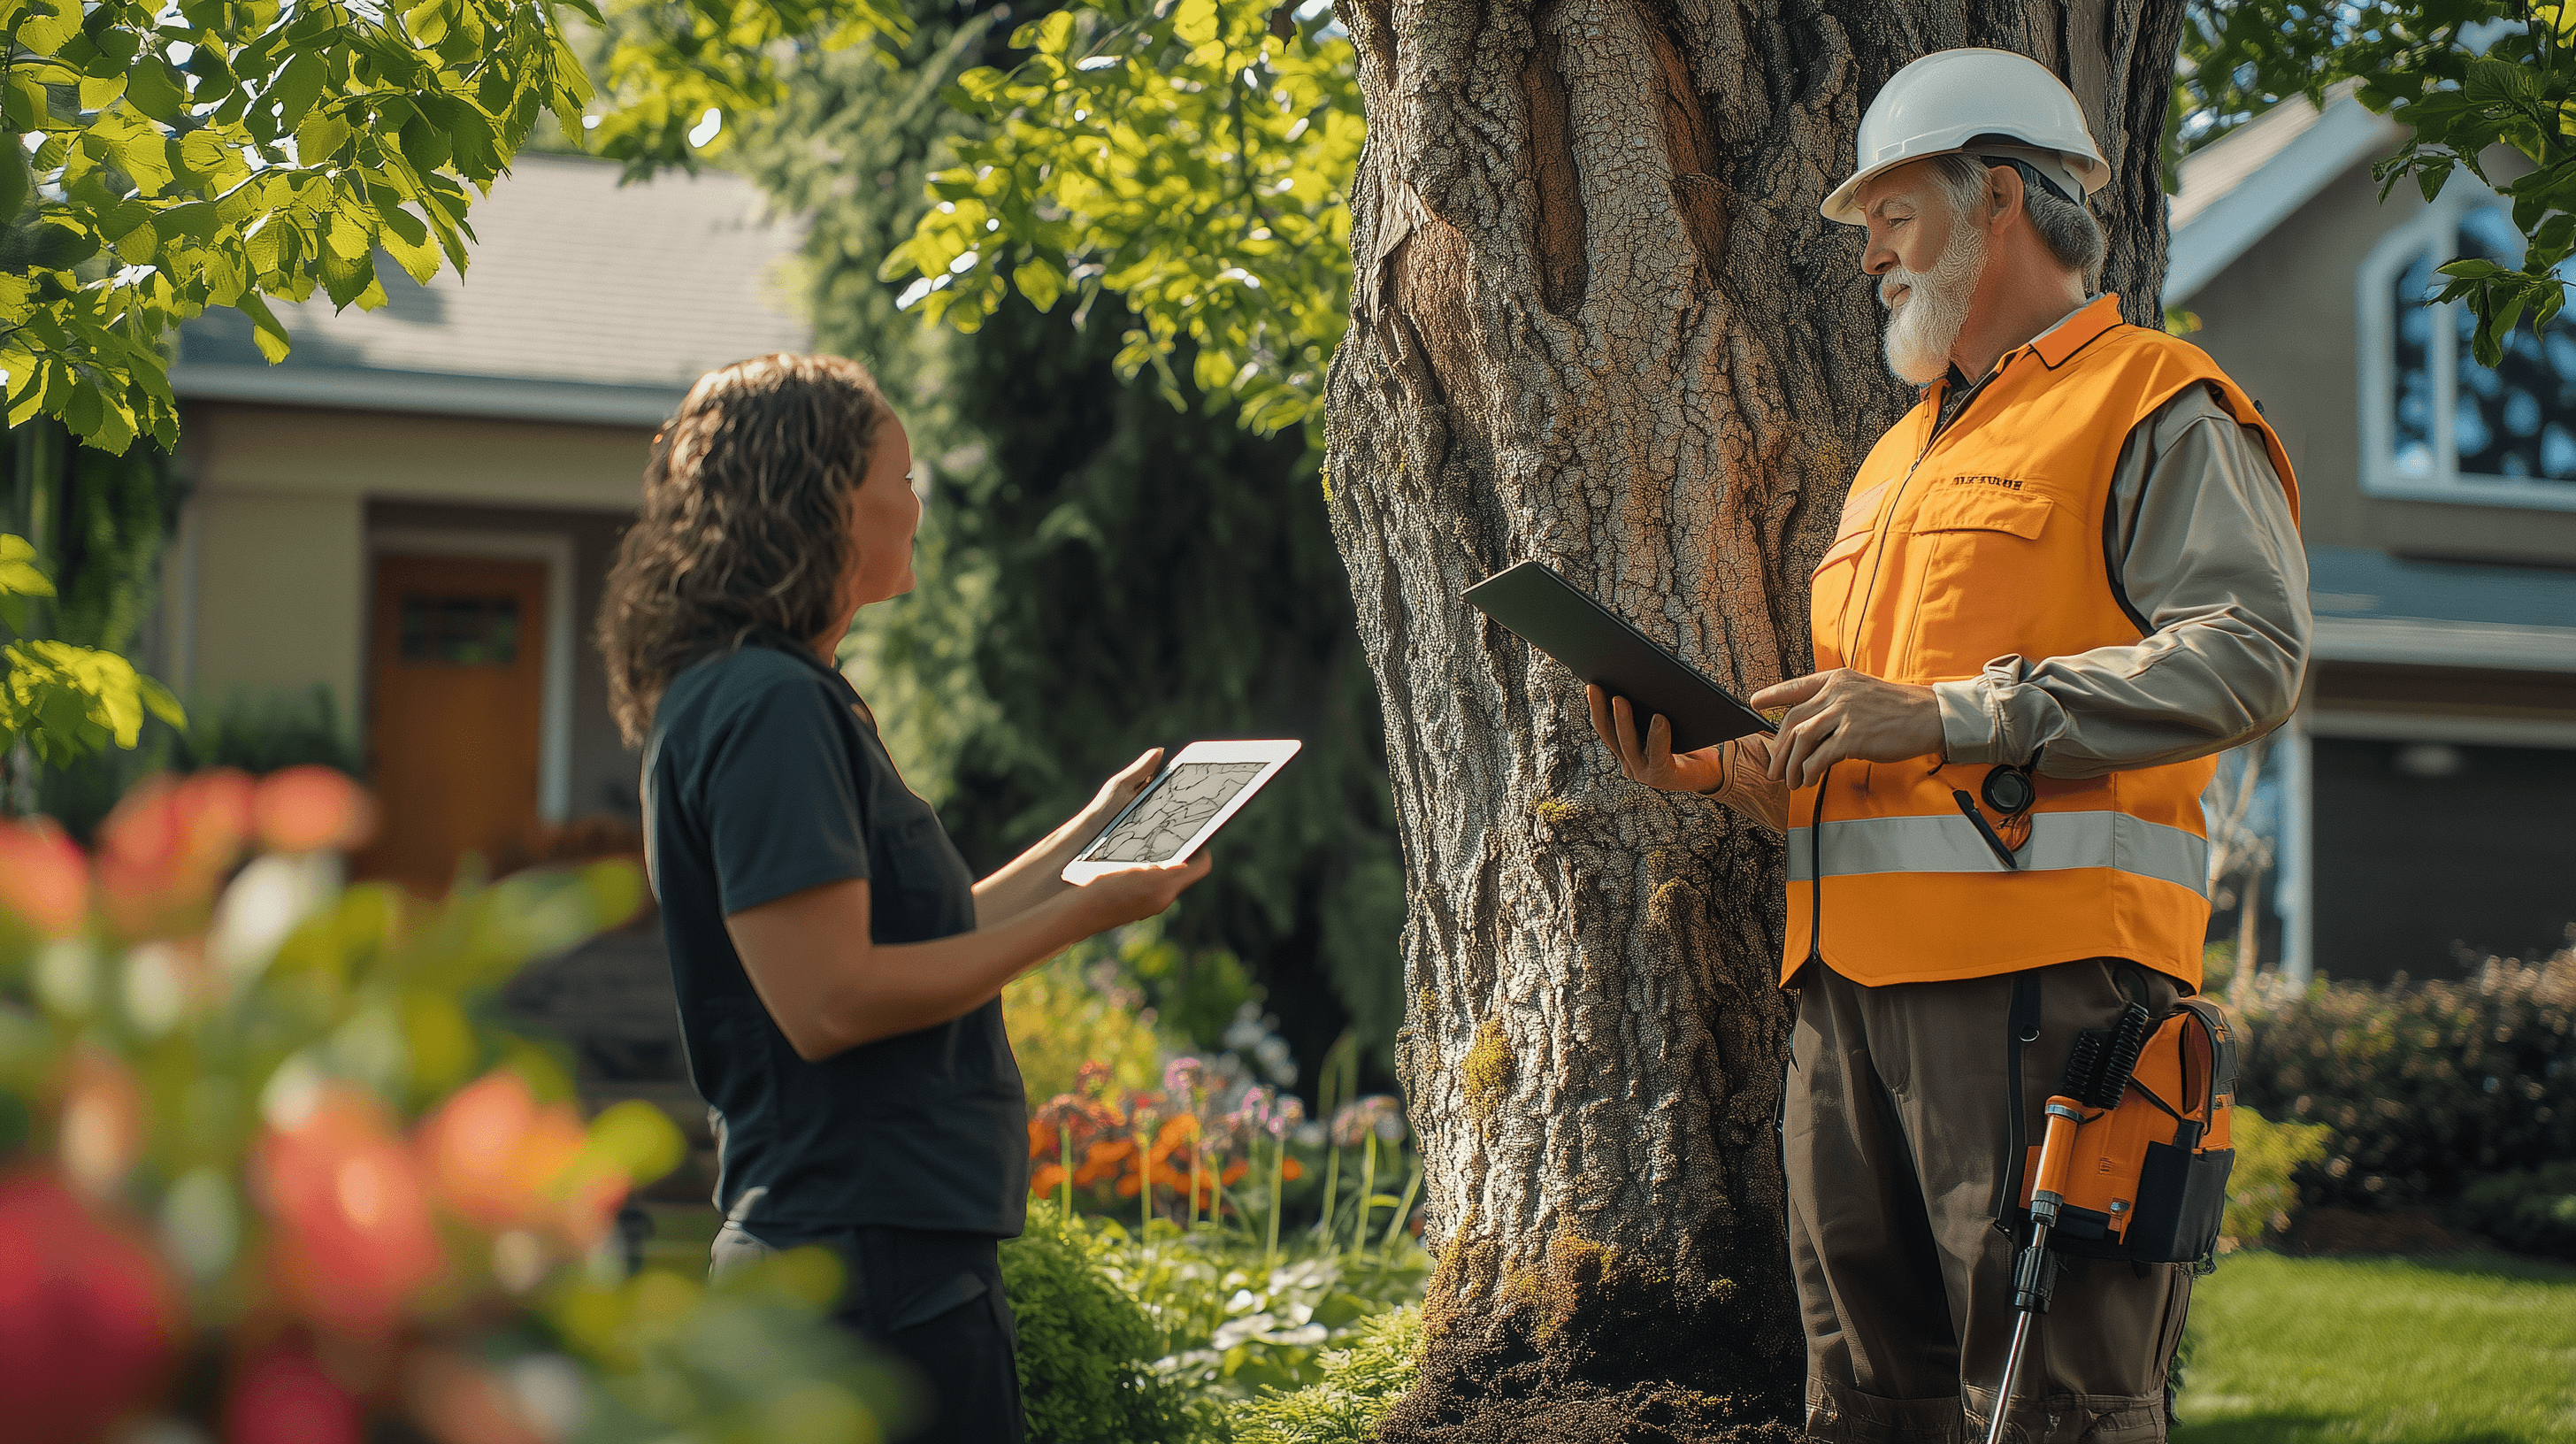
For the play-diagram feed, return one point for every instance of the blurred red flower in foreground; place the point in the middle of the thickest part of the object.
(354, 1237)
(299, 809)
(87, 1318)
(458, 1401)
(499, 1160)
(283, 1397)
(43, 877)
(163, 849)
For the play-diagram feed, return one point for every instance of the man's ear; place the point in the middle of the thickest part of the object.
(2004, 194)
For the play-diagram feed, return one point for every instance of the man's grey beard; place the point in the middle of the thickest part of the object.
(1920, 335)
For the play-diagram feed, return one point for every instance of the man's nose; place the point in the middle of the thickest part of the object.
(1877, 258)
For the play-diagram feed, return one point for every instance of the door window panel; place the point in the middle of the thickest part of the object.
(460, 631)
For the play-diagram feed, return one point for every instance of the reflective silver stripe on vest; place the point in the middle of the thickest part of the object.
(2058, 840)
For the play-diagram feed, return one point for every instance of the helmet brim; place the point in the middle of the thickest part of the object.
(1842, 206)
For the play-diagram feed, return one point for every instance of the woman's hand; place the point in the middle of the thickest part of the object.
(1650, 760)
(1133, 894)
(1117, 792)
(1035, 875)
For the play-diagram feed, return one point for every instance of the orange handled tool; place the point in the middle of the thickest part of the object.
(2035, 1272)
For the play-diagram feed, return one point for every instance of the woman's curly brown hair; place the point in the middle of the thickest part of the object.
(745, 521)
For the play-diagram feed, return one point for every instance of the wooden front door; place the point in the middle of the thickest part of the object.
(456, 686)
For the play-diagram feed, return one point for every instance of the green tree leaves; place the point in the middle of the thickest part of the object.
(2465, 77)
(1191, 158)
(65, 701)
(215, 153)
(676, 63)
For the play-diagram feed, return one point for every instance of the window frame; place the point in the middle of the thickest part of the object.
(2436, 226)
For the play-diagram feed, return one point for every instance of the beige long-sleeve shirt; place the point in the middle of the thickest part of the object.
(2210, 562)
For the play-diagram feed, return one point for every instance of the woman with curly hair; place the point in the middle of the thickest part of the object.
(839, 970)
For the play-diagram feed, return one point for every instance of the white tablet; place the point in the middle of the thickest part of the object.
(1183, 807)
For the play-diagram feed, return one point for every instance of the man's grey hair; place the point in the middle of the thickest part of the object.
(2066, 227)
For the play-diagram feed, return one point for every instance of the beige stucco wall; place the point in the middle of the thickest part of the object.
(267, 588)
(280, 593)
(418, 458)
(2284, 321)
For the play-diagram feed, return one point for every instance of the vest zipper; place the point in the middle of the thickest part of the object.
(1878, 554)
(1816, 824)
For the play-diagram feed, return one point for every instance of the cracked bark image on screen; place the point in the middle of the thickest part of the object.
(1174, 812)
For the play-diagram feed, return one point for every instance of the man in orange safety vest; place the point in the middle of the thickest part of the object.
(2062, 583)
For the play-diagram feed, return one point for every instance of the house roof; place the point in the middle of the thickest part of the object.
(2235, 190)
(584, 301)
(2373, 607)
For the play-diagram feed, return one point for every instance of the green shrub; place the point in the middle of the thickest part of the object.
(1087, 1349)
(2533, 1211)
(2261, 1197)
(1359, 1384)
(2426, 1085)
(262, 733)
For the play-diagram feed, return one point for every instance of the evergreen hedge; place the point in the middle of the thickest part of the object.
(2428, 1086)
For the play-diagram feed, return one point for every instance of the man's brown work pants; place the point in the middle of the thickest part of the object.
(1895, 1136)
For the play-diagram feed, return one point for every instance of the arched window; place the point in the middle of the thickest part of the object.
(2436, 425)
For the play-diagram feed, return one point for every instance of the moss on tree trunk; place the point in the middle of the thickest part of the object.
(1597, 320)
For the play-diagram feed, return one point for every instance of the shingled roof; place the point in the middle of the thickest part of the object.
(584, 301)
(2236, 189)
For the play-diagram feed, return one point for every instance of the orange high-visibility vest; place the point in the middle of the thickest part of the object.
(1989, 540)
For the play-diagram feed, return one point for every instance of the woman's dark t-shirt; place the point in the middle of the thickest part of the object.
(764, 777)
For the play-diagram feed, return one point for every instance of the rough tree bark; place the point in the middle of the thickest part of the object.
(1598, 321)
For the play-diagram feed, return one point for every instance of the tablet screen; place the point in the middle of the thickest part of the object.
(1170, 815)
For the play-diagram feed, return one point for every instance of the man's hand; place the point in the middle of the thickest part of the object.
(1650, 760)
(1847, 716)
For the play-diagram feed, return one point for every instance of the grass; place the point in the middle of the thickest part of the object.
(2467, 1348)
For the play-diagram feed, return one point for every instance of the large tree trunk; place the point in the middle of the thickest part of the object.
(1597, 320)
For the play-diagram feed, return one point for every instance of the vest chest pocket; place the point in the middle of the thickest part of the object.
(1983, 580)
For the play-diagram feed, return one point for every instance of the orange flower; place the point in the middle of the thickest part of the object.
(300, 809)
(498, 1160)
(44, 880)
(1102, 1160)
(1177, 1134)
(354, 1238)
(87, 1319)
(165, 846)
(1046, 1180)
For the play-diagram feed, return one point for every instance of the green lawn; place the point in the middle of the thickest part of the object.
(2468, 1348)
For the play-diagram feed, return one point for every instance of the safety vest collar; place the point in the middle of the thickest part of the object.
(2100, 317)
(2089, 323)
(2059, 841)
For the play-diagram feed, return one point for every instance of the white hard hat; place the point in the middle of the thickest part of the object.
(1941, 102)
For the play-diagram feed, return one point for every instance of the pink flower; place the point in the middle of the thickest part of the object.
(300, 809)
(161, 852)
(354, 1239)
(44, 880)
